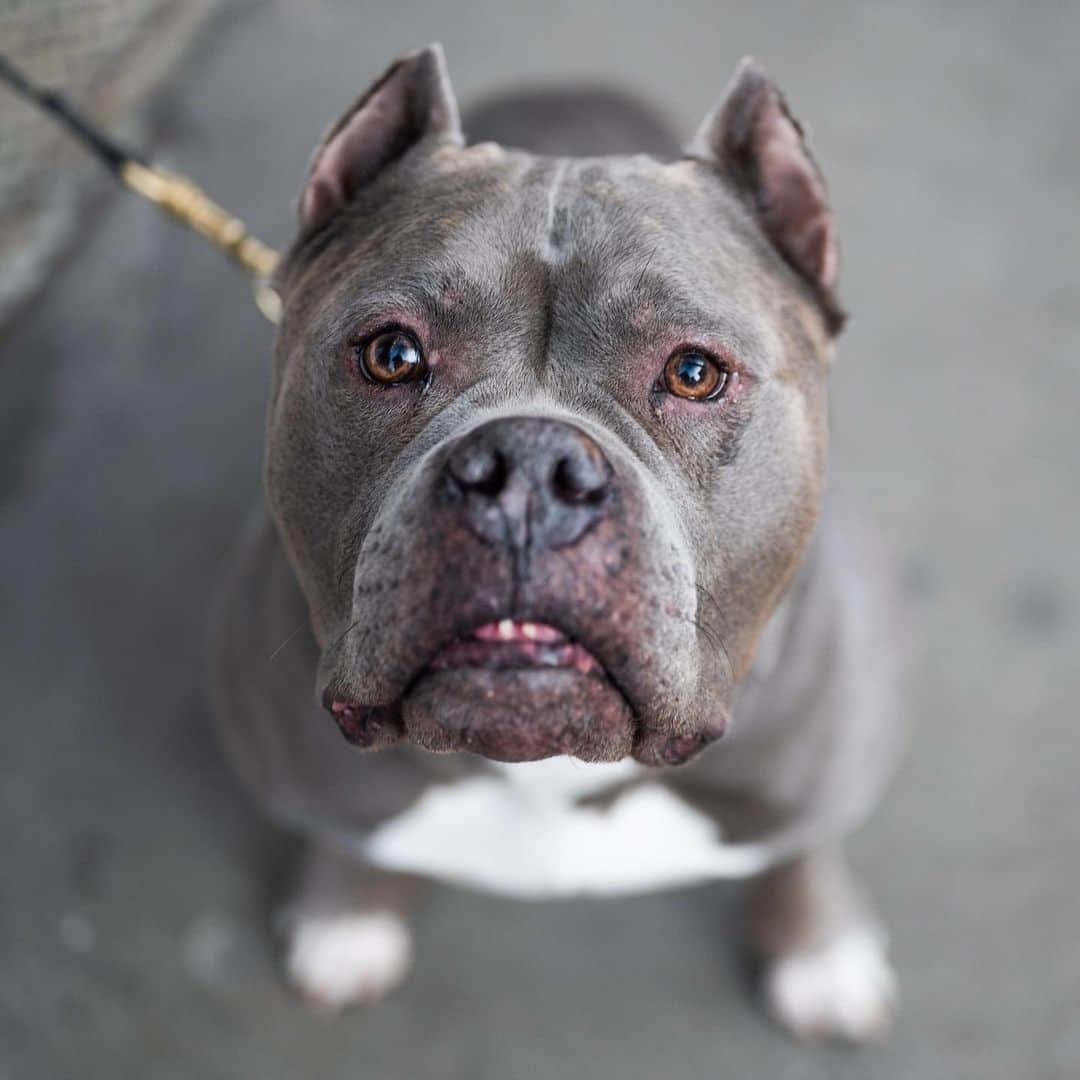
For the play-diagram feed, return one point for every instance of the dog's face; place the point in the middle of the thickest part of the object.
(547, 437)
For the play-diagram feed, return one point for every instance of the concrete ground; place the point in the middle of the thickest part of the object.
(136, 880)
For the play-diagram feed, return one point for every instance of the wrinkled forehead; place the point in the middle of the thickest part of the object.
(486, 230)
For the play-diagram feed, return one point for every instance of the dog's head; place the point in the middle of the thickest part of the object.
(547, 436)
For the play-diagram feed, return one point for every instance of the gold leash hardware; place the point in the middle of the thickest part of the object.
(186, 202)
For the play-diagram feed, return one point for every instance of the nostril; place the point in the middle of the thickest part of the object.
(580, 478)
(479, 469)
(530, 484)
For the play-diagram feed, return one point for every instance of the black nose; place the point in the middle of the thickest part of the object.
(529, 483)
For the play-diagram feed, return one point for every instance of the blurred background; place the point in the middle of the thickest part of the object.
(136, 882)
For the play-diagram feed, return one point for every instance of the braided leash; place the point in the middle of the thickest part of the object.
(177, 196)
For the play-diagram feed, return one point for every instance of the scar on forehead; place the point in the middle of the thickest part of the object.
(597, 186)
(685, 175)
(453, 296)
(643, 315)
(449, 156)
(447, 223)
(486, 161)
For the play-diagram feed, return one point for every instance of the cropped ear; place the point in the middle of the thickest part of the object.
(755, 141)
(412, 99)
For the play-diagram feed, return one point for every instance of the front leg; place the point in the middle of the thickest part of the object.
(826, 972)
(346, 939)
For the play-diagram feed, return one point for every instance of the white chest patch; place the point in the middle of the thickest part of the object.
(521, 833)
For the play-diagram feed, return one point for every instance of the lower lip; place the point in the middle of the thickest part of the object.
(523, 714)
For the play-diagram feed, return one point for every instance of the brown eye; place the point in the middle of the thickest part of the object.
(692, 374)
(392, 357)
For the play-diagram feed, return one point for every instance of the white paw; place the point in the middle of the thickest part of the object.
(845, 990)
(336, 960)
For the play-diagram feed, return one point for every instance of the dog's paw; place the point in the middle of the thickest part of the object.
(340, 959)
(844, 990)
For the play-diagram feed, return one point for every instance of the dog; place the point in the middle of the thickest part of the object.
(547, 516)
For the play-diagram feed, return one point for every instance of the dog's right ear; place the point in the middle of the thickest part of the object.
(412, 100)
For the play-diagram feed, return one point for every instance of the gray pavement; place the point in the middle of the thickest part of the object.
(136, 881)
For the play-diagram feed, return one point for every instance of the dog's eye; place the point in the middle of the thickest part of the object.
(392, 357)
(692, 374)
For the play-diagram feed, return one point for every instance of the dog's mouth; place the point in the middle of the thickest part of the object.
(518, 690)
(509, 690)
(516, 645)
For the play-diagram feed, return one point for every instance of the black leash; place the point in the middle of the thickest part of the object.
(175, 195)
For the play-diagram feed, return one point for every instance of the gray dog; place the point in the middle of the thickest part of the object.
(545, 460)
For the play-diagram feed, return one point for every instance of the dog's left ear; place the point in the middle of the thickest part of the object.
(413, 99)
(755, 141)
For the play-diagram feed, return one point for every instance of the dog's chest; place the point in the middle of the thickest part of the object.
(522, 830)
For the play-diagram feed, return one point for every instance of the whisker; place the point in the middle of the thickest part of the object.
(723, 648)
(341, 637)
(645, 269)
(316, 613)
(713, 637)
(707, 632)
(299, 627)
(708, 596)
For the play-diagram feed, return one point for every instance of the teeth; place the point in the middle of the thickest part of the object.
(511, 630)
